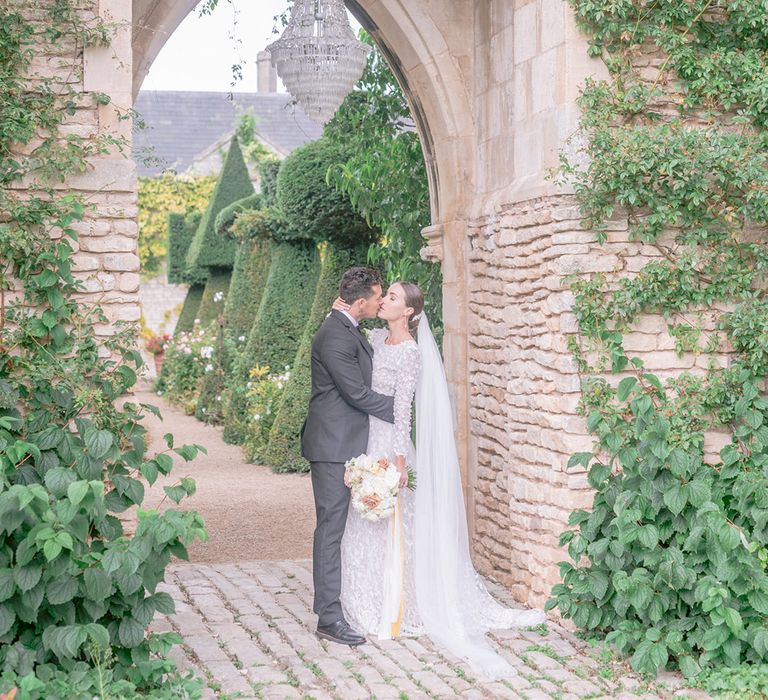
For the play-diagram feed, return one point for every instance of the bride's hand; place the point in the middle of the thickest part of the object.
(340, 305)
(401, 467)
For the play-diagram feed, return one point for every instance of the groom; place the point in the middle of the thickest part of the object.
(336, 429)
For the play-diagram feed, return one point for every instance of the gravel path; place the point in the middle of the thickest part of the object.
(250, 512)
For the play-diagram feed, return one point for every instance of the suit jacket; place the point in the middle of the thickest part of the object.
(336, 428)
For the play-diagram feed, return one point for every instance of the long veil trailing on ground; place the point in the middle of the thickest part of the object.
(454, 604)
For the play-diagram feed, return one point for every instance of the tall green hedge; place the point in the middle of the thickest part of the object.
(278, 327)
(208, 249)
(249, 278)
(189, 311)
(283, 453)
(310, 206)
(181, 231)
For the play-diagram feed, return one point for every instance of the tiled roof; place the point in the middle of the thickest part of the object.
(180, 125)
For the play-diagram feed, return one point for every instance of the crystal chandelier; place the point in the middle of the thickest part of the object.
(318, 57)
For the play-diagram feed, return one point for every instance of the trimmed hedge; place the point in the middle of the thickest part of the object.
(181, 231)
(283, 453)
(189, 311)
(278, 327)
(226, 217)
(249, 278)
(210, 309)
(310, 206)
(208, 249)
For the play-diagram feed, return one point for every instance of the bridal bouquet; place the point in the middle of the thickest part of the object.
(375, 483)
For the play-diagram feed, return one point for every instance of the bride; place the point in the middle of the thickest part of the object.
(412, 573)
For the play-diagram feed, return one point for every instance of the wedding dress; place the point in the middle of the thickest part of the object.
(423, 559)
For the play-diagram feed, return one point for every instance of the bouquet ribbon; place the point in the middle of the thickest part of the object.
(394, 571)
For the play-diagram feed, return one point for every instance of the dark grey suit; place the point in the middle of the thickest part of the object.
(336, 429)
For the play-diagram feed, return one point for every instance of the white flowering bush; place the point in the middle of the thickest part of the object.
(187, 359)
(264, 392)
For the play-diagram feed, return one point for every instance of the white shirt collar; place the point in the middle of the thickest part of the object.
(351, 318)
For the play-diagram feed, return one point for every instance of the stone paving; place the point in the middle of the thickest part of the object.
(249, 629)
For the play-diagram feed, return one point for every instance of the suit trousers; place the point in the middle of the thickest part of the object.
(331, 506)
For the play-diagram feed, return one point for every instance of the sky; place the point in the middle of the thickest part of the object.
(200, 53)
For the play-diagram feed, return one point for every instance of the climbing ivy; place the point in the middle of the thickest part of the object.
(73, 456)
(667, 563)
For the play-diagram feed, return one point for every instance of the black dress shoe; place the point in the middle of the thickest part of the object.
(341, 633)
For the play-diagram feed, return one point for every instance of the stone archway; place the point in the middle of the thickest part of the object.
(492, 86)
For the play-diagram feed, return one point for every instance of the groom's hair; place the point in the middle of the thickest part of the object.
(357, 283)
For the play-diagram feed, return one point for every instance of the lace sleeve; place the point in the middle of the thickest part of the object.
(404, 390)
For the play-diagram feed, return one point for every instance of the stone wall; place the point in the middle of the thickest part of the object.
(105, 257)
(524, 384)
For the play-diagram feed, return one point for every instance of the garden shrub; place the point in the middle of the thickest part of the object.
(187, 359)
(73, 447)
(249, 278)
(188, 314)
(283, 452)
(208, 249)
(310, 206)
(277, 329)
(264, 392)
(181, 231)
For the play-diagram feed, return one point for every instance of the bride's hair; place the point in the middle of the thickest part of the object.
(415, 299)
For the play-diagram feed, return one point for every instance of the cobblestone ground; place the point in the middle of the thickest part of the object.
(249, 629)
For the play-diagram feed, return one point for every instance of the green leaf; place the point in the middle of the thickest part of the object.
(648, 536)
(99, 634)
(733, 619)
(582, 458)
(163, 603)
(758, 600)
(675, 499)
(27, 577)
(130, 632)
(61, 590)
(175, 493)
(98, 583)
(688, 666)
(98, 443)
(626, 386)
(149, 471)
(164, 463)
(7, 618)
(7, 584)
(59, 479)
(51, 550)
(76, 491)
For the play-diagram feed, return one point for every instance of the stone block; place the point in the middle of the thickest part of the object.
(544, 81)
(121, 262)
(526, 33)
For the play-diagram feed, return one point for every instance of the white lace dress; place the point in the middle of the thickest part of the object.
(364, 546)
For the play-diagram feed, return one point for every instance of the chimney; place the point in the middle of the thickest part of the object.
(266, 75)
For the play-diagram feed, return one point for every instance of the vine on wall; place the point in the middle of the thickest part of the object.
(670, 561)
